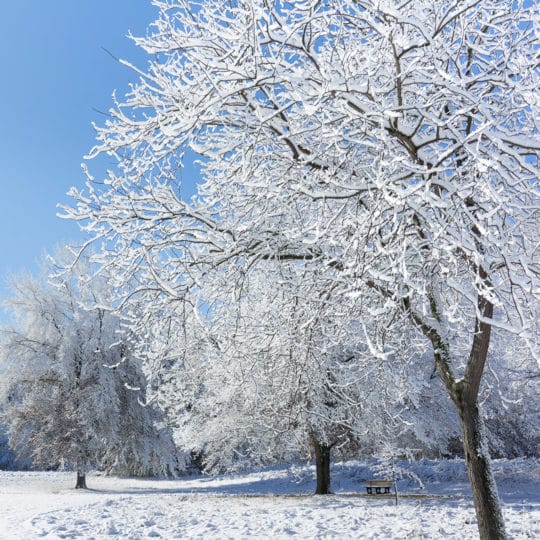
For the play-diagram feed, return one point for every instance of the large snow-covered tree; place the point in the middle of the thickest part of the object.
(286, 373)
(70, 392)
(394, 143)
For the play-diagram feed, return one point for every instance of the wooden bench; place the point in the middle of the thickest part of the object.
(378, 485)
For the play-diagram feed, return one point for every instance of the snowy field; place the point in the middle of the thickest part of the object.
(269, 503)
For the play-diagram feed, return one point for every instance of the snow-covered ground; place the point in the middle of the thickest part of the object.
(269, 503)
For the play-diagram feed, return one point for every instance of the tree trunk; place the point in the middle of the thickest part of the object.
(464, 394)
(322, 462)
(484, 489)
(81, 480)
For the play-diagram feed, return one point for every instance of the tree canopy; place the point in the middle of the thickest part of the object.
(73, 387)
(390, 148)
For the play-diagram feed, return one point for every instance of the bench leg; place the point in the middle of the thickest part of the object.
(378, 490)
(369, 490)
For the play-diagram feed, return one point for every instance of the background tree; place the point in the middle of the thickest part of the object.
(509, 399)
(396, 142)
(67, 403)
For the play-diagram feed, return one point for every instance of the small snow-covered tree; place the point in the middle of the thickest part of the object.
(393, 141)
(66, 401)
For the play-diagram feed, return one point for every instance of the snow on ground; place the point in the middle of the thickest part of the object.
(269, 503)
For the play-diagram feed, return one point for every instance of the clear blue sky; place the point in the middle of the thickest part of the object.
(54, 73)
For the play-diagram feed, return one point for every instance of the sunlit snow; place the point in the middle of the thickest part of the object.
(269, 503)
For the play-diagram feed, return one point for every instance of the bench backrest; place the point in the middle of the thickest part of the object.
(379, 483)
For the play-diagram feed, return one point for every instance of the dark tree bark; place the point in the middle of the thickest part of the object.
(484, 489)
(322, 465)
(464, 394)
(81, 480)
(81, 475)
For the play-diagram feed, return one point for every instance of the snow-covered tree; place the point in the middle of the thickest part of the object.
(285, 374)
(510, 399)
(394, 143)
(67, 398)
(143, 443)
(269, 368)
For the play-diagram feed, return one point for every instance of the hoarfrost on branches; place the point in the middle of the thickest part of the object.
(390, 147)
(67, 367)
